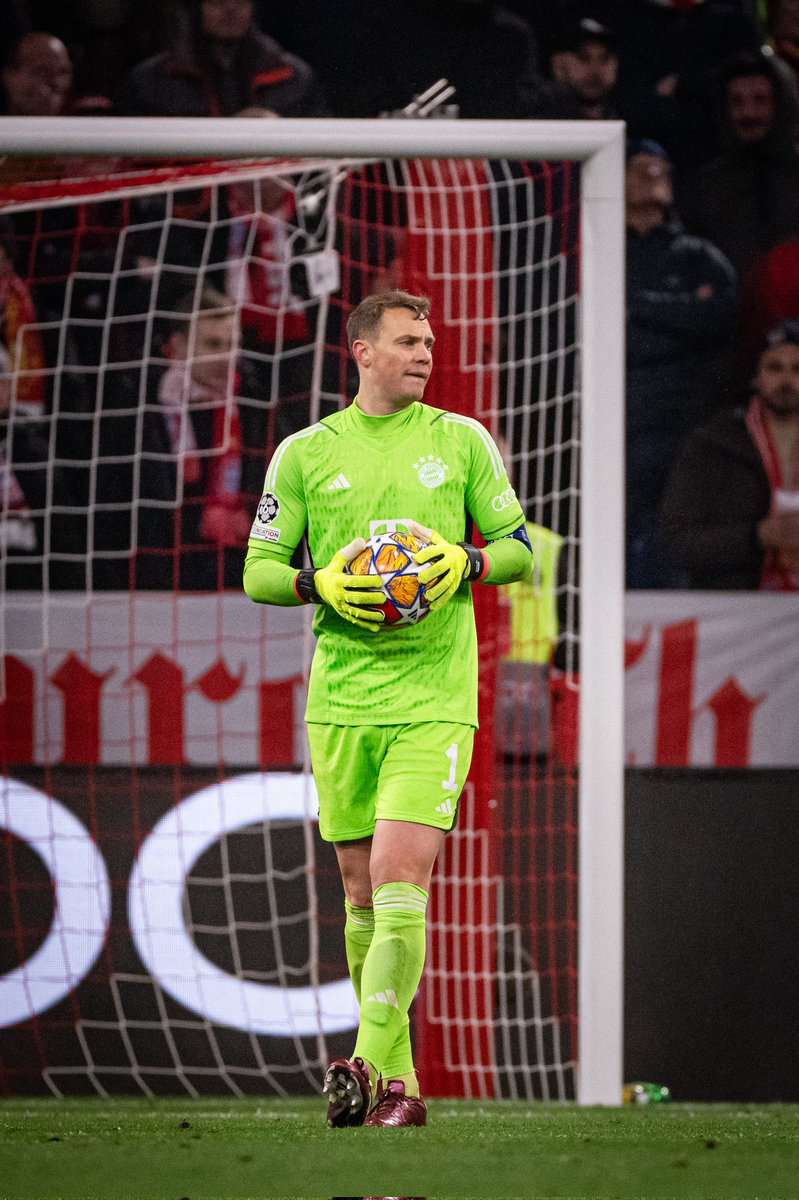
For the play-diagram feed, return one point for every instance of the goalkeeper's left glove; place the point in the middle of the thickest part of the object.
(449, 566)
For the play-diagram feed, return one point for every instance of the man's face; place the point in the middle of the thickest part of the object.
(648, 182)
(38, 85)
(226, 20)
(588, 73)
(751, 108)
(400, 358)
(212, 351)
(777, 380)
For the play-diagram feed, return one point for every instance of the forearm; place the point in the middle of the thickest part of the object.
(269, 579)
(510, 559)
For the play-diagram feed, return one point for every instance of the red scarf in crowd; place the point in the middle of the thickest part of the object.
(780, 569)
(223, 476)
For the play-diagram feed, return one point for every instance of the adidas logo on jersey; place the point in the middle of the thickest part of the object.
(341, 481)
(445, 808)
(389, 996)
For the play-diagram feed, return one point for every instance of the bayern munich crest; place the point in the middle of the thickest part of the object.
(432, 471)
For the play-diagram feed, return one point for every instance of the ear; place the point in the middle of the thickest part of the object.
(176, 346)
(557, 68)
(362, 353)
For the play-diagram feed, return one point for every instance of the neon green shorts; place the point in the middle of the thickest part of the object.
(368, 773)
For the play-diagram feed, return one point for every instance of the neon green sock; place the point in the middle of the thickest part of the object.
(359, 928)
(399, 1061)
(390, 977)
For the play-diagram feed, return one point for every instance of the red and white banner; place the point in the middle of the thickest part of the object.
(153, 679)
(712, 679)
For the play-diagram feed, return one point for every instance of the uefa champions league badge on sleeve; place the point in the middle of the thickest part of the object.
(262, 527)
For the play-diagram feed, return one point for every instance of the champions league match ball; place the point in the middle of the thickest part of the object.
(389, 555)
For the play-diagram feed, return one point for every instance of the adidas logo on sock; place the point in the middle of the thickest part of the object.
(445, 808)
(341, 481)
(389, 996)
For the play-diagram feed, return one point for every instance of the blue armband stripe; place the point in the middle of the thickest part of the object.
(521, 535)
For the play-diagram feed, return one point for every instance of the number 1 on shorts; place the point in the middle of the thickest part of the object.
(450, 784)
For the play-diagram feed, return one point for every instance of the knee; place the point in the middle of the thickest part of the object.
(357, 888)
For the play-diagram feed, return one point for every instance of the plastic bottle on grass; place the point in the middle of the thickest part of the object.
(646, 1093)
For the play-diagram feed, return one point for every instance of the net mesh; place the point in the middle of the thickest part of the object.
(151, 714)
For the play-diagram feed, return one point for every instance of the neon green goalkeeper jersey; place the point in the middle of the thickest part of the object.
(352, 475)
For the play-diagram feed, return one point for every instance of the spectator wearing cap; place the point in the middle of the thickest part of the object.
(730, 515)
(747, 198)
(584, 68)
(681, 305)
(220, 64)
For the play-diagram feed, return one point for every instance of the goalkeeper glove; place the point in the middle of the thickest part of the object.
(449, 565)
(349, 595)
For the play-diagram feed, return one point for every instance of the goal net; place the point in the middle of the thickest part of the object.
(176, 924)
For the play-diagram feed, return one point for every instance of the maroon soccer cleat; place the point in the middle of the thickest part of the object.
(393, 1107)
(348, 1092)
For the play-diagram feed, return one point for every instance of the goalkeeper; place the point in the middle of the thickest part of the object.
(391, 716)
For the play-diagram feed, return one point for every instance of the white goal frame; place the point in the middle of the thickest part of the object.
(599, 147)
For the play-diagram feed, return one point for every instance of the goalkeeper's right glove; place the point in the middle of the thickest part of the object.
(349, 595)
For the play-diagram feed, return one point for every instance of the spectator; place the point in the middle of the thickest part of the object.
(680, 309)
(771, 294)
(188, 514)
(219, 64)
(262, 252)
(669, 54)
(584, 69)
(260, 240)
(731, 507)
(40, 535)
(36, 78)
(105, 38)
(747, 199)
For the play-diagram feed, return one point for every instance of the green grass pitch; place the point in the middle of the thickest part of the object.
(221, 1148)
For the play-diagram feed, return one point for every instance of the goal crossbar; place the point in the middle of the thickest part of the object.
(599, 146)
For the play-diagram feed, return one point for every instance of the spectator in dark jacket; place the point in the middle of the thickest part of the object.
(747, 199)
(681, 297)
(220, 64)
(730, 514)
(179, 472)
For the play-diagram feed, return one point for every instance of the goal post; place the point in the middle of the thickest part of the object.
(599, 148)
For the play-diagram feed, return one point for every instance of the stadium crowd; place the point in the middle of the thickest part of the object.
(709, 91)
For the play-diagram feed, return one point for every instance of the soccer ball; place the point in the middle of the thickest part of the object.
(390, 556)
